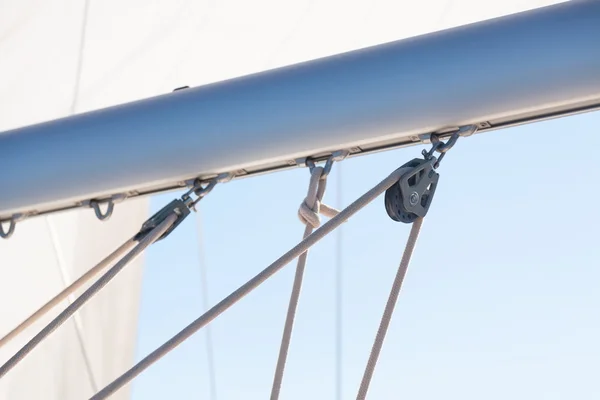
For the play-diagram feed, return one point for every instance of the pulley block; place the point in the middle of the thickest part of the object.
(176, 206)
(411, 196)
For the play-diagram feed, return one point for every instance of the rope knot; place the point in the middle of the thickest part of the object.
(311, 207)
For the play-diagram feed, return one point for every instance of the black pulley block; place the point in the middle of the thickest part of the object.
(411, 196)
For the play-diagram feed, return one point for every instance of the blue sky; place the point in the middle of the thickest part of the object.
(500, 300)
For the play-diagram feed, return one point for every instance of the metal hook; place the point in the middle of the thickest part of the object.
(11, 228)
(95, 204)
(335, 156)
(442, 148)
(201, 191)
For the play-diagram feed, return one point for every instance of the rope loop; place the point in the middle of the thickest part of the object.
(297, 251)
(312, 206)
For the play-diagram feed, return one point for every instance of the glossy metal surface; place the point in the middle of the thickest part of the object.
(515, 69)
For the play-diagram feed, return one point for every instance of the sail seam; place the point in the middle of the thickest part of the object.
(79, 70)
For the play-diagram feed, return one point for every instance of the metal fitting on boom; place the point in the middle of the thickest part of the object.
(411, 197)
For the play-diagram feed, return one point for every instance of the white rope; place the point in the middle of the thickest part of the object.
(308, 213)
(146, 241)
(33, 318)
(389, 309)
(252, 284)
(60, 260)
(311, 207)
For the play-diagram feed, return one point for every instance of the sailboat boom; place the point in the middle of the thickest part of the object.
(521, 68)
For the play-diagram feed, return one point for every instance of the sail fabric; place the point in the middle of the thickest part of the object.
(46, 70)
(88, 350)
(70, 56)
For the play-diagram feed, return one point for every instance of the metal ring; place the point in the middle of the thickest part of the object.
(203, 191)
(467, 130)
(335, 156)
(444, 147)
(11, 229)
(327, 167)
(95, 204)
(441, 147)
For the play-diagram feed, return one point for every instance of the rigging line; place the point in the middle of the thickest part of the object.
(389, 309)
(55, 242)
(146, 241)
(309, 215)
(252, 284)
(76, 318)
(66, 292)
(289, 321)
(339, 295)
(210, 358)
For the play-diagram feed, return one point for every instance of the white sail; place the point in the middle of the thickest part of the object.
(66, 56)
